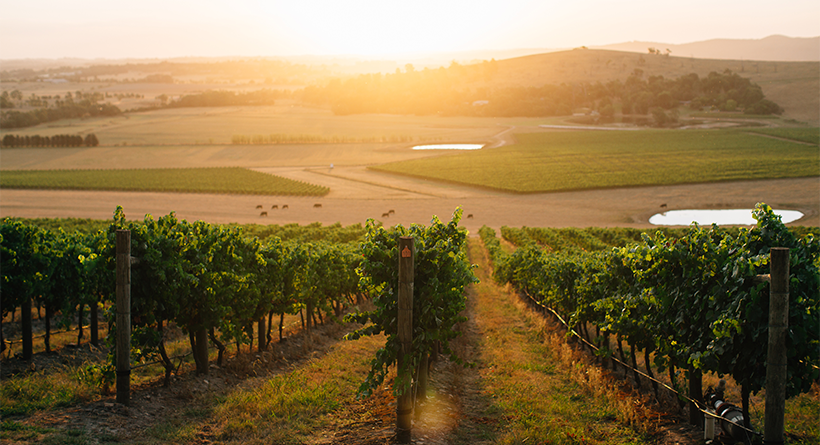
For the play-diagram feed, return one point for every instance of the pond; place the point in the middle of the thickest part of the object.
(449, 147)
(719, 217)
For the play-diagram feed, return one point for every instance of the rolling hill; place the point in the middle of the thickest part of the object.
(795, 86)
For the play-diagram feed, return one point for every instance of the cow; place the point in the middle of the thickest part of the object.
(391, 211)
(284, 206)
(386, 215)
(274, 207)
(663, 206)
(259, 206)
(470, 215)
(263, 214)
(317, 206)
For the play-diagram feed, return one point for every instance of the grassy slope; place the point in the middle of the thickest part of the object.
(582, 160)
(795, 86)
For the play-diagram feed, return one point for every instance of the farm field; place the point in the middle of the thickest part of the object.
(811, 135)
(218, 125)
(230, 180)
(358, 192)
(547, 162)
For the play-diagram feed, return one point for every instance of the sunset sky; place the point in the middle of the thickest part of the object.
(171, 28)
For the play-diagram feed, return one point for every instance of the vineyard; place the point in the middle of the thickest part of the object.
(684, 300)
(688, 299)
(558, 161)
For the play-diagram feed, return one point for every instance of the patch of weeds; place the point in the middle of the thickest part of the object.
(197, 412)
(172, 430)
(11, 430)
(69, 437)
(23, 395)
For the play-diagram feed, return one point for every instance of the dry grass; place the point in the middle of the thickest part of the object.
(540, 385)
(218, 125)
(286, 408)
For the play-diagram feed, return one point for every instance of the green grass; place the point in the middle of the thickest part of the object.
(810, 135)
(290, 407)
(558, 161)
(12, 431)
(193, 180)
(23, 395)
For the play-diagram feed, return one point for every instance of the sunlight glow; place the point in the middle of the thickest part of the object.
(367, 27)
(171, 28)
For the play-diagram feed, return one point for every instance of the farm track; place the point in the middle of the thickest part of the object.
(357, 201)
(780, 138)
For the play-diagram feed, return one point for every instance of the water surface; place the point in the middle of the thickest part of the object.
(719, 217)
(449, 147)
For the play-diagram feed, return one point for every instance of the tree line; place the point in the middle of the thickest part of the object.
(278, 71)
(444, 91)
(67, 109)
(58, 140)
(219, 98)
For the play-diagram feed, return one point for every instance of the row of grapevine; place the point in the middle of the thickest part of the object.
(54, 269)
(210, 280)
(693, 301)
(587, 239)
(442, 271)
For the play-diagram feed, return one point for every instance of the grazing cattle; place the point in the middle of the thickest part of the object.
(284, 206)
(317, 205)
(663, 206)
(391, 211)
(259, 206)
(470, 215)
(386, 215)
(274, 207)
(263, 214)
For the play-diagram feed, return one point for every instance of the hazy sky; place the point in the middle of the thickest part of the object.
(170, 28)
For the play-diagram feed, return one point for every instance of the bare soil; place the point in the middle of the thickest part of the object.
(358, 194)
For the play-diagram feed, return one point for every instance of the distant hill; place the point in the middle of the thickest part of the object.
(795, 86)
(773, 48)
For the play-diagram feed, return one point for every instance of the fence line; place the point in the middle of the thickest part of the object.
(9, 342)
(694, 403)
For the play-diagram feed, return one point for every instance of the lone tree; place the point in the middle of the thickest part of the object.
(91, 140)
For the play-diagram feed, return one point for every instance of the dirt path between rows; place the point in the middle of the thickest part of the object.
(461, 408)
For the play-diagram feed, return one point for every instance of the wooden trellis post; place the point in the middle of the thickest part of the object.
(404, 405)
(776, 357)
(123, 316)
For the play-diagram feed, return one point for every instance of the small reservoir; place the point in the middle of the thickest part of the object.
(742, 217)
(449, 147)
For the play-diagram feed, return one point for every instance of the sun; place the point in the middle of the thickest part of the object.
(377, 28)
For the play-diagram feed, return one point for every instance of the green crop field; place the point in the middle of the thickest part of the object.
(194, 180)
(810, 135)
(556, 161)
